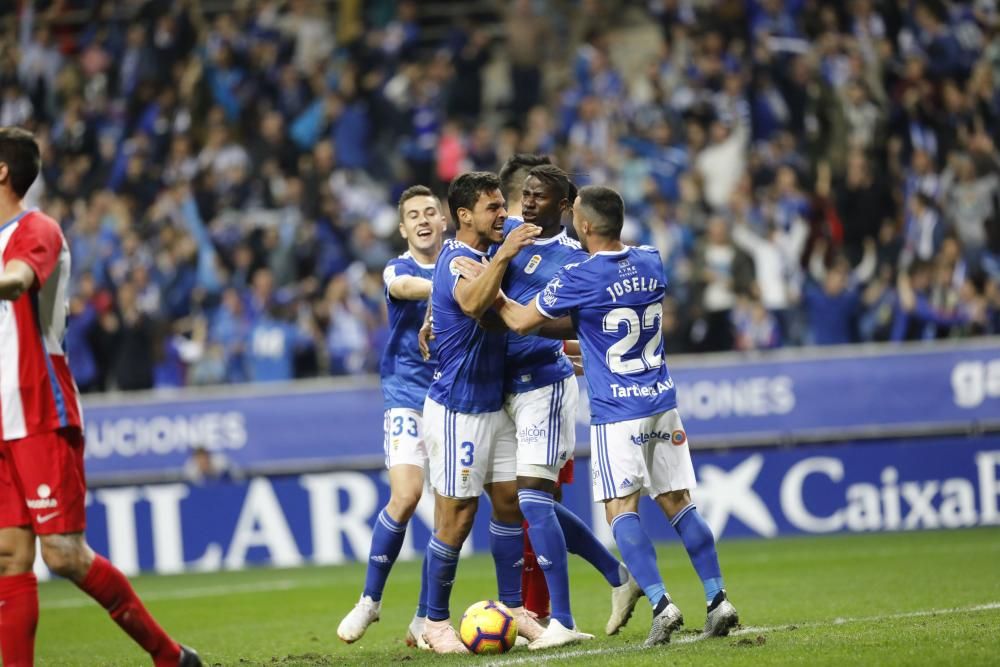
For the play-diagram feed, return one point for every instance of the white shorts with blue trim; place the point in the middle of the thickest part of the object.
(404, 438)
(466, 452)
(545, 425)
(649, 455)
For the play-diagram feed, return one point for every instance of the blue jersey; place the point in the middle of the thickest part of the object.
(272, 350)
(470, 359)
(405, 374)
(616, 302)
(533, 361)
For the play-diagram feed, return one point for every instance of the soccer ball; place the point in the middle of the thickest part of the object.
(488, 627)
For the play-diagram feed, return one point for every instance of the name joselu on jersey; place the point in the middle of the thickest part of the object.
(629, 285)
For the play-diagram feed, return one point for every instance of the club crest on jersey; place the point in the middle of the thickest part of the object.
(678, 437)
(533, 263)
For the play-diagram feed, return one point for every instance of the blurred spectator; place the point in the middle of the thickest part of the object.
(205, 467)
(755, 328)
(832, 297)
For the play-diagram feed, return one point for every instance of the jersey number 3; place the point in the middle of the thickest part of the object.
(652, 356)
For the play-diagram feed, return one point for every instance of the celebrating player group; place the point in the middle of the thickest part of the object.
(491, 404)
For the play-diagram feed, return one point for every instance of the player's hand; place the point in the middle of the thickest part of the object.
(469, 268)
(424, 338)
(517, 239)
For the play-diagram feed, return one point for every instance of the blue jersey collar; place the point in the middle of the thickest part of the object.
(409, 255)
(552, 239)
(614, 253)
(481, 253)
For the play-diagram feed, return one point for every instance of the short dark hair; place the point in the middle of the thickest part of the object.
(605, 210)
(464, 190)
(19, 151)
(515, 170)
(556, 179)
(415, 191)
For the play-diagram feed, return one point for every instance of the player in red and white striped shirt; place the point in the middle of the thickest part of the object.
(42, 485)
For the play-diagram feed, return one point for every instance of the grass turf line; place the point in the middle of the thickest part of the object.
(857, 599)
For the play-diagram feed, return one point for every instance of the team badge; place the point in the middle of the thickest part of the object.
(465, 475)
(678, 437)
(533, 263)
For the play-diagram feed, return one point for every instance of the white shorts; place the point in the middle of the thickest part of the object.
(404, 438)
(466, 452)
(649, 454)
(545, 424)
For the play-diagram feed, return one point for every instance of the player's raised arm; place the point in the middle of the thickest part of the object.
(521, 319)
(474, 297)
(426, 333)
(410, 288)
(16, 279)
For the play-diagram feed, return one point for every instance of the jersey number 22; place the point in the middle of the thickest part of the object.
(652, 356)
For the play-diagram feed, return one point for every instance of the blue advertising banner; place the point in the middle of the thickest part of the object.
(327, 517)
(725, 400)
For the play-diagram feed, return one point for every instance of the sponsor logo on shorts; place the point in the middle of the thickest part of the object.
(562, 457)
(643, 438)
(678, 437)
(44, 501)
(543, 562)
(532, 434)
(42, 518)
(627, 484)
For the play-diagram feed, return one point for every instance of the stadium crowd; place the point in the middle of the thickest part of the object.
(812, 172)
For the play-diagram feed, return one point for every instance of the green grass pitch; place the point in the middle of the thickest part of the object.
(889, 599)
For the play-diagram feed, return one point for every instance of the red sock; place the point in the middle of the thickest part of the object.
(106, 584)
(534, 590)
(18, 619)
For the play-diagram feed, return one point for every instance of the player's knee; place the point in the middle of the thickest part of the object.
(403, 504)
(67, 555)
(674, 501)
(16, 558)
(508, 512)
(455, 524)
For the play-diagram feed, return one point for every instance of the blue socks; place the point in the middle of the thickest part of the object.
(387, 540)
(442, 561)
(700, 545)
(507, 547)
(639, 555)
(550, 549)
(422, 600)
(580, 540)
